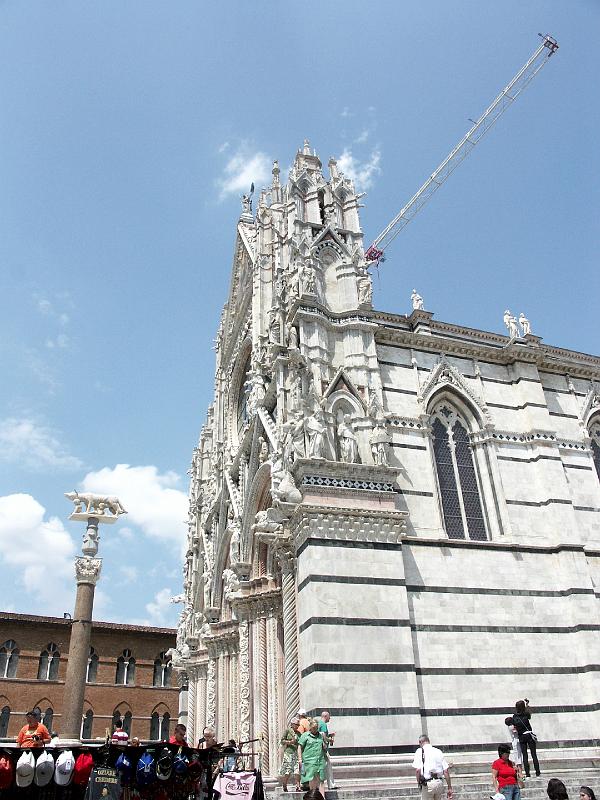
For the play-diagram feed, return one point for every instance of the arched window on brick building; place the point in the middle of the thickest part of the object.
(127, 722)
(92, 667)
(164, 726)
(4, 720)
(457, 479)
(9, 658)
(154, 726)
(49, 663)
(87, 724)
(162, 670)
(47, 718)
(125, 675)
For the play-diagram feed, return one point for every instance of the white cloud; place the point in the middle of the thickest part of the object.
(244, 167)
(362, 136)
(223, 147)
(62, 341)
(129, 573)
(161, 610)
(153, 501)
(362, 173)
(26, 443)
(39, 550)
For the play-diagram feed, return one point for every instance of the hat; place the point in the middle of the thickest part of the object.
(146, 769)
(302, 712)
(64, 768)
(25, 769)
(44, 769)
(6, 772)
(295, 721)
(82, 770)
(125, 768)
(164, 765)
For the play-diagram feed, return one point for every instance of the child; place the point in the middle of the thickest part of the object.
(516, 754)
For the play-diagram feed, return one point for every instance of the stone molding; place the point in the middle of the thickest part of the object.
(260, 605)
(330, 522)
(87, 569)
(315, 473)
(445, 374)
(527, 437)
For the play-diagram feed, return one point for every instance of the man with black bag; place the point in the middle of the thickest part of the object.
(431, 767)
(527, 738)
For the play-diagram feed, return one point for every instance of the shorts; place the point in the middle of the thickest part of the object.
(289, 765)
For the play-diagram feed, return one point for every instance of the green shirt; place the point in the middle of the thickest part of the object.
(312, 750)
(291, 735)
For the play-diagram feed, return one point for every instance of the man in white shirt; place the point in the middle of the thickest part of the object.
(430, 767)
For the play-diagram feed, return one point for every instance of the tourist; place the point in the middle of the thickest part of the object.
(505, 774)
(430, 767)
(311, 757)
(303, 724)
(527, 738)
(120, 736)
(208, 739)
(289, 762)
(585, 793)
(135, 742)
(328, 739)
(516, 754)
(556, 790)
(33, 734)
(179, 735)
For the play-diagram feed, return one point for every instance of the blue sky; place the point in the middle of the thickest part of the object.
(128, 132)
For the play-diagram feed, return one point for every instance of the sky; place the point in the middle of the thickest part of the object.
(129, 130)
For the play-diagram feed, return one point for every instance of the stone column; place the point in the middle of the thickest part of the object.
(264, 693)
(211, 691)
(290, 632)
(273, 693)
(87, 571)
(200, 704)
(190, 702)
(244, 680)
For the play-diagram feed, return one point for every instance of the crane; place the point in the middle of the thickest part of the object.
(375, 253)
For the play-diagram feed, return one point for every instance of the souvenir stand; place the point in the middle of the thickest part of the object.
(156, 771)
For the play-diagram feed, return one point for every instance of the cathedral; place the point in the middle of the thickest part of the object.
(391, 517)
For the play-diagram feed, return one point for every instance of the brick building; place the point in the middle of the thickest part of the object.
(129, 675)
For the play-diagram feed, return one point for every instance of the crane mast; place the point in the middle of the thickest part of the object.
(524, 76)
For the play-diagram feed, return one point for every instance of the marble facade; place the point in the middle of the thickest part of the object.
(325, 565)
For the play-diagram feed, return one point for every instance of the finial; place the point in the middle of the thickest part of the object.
(306, 148)
(333, 168)
(276, 171)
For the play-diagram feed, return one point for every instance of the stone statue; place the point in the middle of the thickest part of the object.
(286, 491)
(231, 583)
(511, 324)
(525, 324)
(234, 543)
(207, 577)
(374, 407)
(257, 391)
(90, 542)
(95, 504)
(316, 428)
(379, 441)
(309, 280)
(263, 453)
(292, 336)
(347, 440)
(417, 300)
(246, 204)
(365, 290)
(296, 392)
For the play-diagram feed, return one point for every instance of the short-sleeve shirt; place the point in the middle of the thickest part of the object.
(120, 737)
(25, 737)
(290, 734)
(312, 749)
(434, 761)
(507, 774)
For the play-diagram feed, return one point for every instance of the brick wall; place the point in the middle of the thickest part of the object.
(32, 635)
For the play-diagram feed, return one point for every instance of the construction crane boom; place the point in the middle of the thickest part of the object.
(524, 76)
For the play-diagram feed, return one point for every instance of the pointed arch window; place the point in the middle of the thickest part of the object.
(92, 666)
(594, 432)
(162, 670)
(154, 726)
(127, 722)
(457, 479)
(4, 720)
(164, 726)
(125, 674)
(48, 717)
(9, 658)
(49, 663)
(87, 724)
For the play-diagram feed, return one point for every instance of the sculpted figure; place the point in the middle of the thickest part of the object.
(231, 583)
(246, 204)
(365, 290)
(417, 300)
(234, 543)
(263, 453)
(347, 440)
(292, 337)
(511, 324)
(374, 407)
(309, 283)
(296, 392)
(525, 324)
(316, 428)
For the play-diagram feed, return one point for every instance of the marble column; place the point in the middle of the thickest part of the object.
(211, 692)
(87, 570)
(190, 723)
(290, 632)
(273, 682)
(244, 679)
(264, 698)
(200, 718)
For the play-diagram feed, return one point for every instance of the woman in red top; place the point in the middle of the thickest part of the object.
(505, 775)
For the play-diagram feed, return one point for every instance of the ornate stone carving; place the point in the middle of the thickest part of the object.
(365, 290)
(211, 692)
(380, 446)
(87, 569)
(347, 441)
(417, 301)
(525, 324)
(511, 324)
(96, 505)
(445, 373)
(231, 583)
(316, 428)
(244, 683)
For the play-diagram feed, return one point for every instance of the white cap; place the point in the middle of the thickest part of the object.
(302, 712)
(44, 769)
(25, 769)
(64, 768)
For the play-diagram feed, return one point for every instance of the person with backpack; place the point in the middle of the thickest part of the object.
(527, 738)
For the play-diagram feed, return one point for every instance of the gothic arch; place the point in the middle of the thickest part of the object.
(258, 499)
(446, 378)
(463, 404)
(161, 708)
(235, 412)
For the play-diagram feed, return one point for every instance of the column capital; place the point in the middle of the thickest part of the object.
(87, 569)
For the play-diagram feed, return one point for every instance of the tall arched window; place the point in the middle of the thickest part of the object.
(49, 663)
(154, 726)
(48, 717)
(164, 726)
(4, 720)
(127, 722)
(87, 724)
(92, 667)
(125, 675)
(9, 658)
(162, 670)
(595, 437)
(457, 480)
(117, 718)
